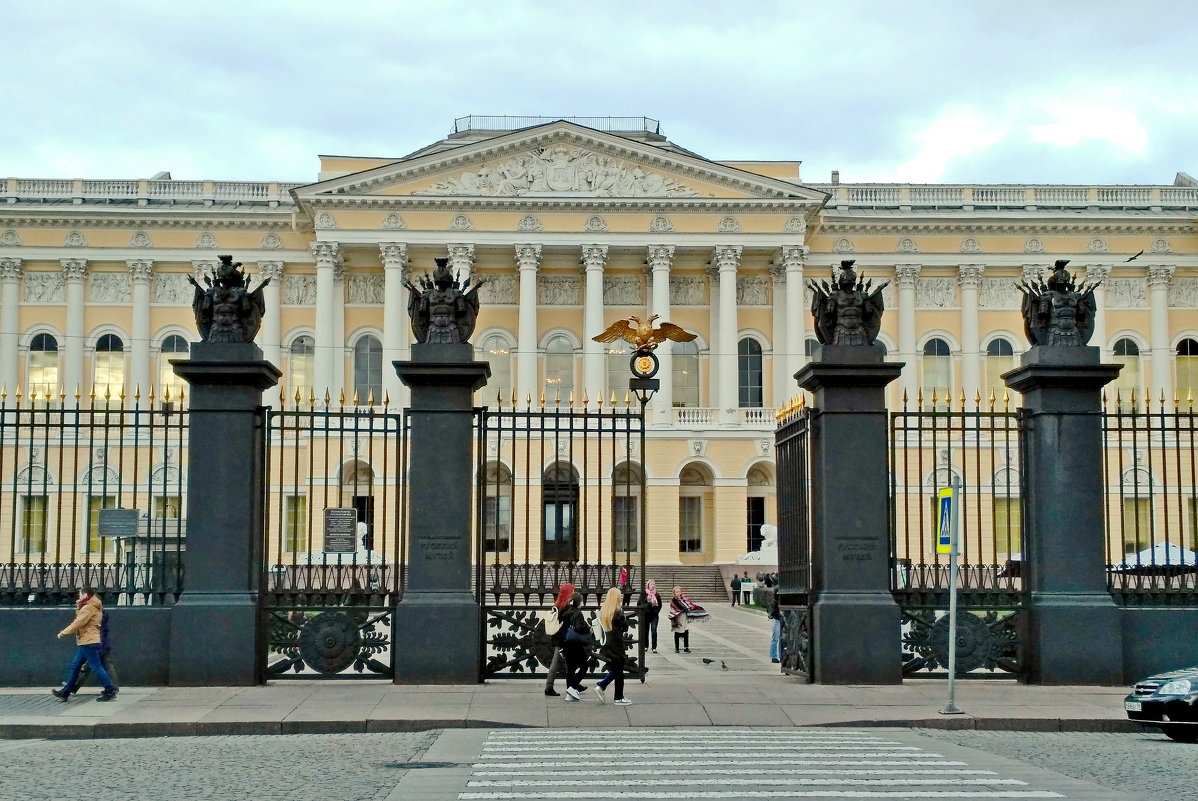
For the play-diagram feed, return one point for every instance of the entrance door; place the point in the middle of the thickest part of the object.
(754, 518)
(559, 541)
(364, 504)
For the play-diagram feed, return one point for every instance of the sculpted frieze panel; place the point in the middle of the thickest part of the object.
(109, 288)
(622, 290)
(558, 290)
(998, 293)
(43, 287)
(560, 170)
(752, 290)
(172, 289)
(1183, 293)
(935, 293)
(1125, 293)
(366, 288)
(299, 290)
(688, 290)
(499, 289)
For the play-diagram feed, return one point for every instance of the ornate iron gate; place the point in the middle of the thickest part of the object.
(794, 538)
(560, 498)
(332, 570)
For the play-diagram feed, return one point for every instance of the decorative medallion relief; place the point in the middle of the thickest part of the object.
(752, 290)
(906, 245)
(998, 293)
(139, 240)
(844, 245)
(1098, 245)
(109, 288)
(172, 289)
(43, 287)
(529, 222)
(393, 222)
(1183, 293)
(558, 290)
(271, 242)
(560, 170)
(594, 224)
(299, 290)
(971, 245)
(661, 225)
(622, 290)
(499, 289)
(935, 293)
(688, 290)
(1125, 293)
(1161, 245)
(10, 239)
(728, 225)
(461, 223)
(795, 225)
(206, 240)
(75, 240)
(325, 220)
(1034, 245)
(364, 288)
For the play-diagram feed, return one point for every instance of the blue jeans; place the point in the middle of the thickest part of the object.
(775, 639)
(91, 655)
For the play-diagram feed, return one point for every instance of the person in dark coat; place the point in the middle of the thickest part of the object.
(735, 589)
(615, 626)
(651, 602)
(575, 646)
(557, 635)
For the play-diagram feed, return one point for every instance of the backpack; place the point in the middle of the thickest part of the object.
(597, 632)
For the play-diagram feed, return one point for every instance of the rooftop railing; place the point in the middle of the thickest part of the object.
(144, 192)
(476, 122)
(906, 197)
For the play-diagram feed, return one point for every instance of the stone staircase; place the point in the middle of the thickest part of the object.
(702, 583)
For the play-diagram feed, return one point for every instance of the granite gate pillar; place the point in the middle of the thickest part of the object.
(855, 620)
(437, 620)
(1073, 627)
(216, 636)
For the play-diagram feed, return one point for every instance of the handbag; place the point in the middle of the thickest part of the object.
(572, 635)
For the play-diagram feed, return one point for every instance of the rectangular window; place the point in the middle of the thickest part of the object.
(94, 504)
(295, 523)
(33, 524)
(497, 523)
(754, 518)
(937, 375)
(1137, 527)
(1008, 538)
(625, 523)
(690, 524)
(685, 367)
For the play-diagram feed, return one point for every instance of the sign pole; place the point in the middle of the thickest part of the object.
(950, 518)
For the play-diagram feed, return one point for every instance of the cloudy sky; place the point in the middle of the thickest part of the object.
(1055, 91)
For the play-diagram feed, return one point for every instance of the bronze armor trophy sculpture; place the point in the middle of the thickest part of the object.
(848, 311)
(1058, 311)
(226, 310)
(443, 309)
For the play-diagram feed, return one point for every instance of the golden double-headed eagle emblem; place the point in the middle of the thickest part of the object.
(642, 335)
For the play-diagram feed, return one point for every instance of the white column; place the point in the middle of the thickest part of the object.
(461, 260)
(594, 257)
(1095, 274)
(1159, 276)
(792, 259)
(10, 307)
(74, 272)
(660, 257)
(726, 261)
(781, 356)
(905, 275)
(339, 352)
(328, 256)
(528, 261)
(396, 325)
(271, 335)
(970, 278)
(140, 273)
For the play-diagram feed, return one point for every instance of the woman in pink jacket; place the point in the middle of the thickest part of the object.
(89, 612)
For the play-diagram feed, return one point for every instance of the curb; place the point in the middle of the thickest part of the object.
(68, 731)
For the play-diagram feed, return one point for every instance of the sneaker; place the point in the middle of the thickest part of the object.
(582, 687)
(654, 651)
(61, 695)
(599, 692)
(775, 661)
(572, 694)
(622, 702)
(686, 650)
(107, 695)
(551, 692)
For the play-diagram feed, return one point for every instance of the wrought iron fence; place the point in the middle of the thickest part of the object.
(334, 537)
(560, 498)
(65, 459)
(794, 536)
(1151, 501)
(932, 446)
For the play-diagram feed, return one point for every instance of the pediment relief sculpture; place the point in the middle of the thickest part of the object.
(560, 170)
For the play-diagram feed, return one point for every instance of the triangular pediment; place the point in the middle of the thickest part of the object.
(559, 160)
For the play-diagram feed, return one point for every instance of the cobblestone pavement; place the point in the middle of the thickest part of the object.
(298, 767)
(1146, 766)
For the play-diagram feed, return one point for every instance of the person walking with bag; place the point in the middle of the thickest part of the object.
(574, 646)
(651, 602)
(612, 650)
(85, 673)
(557, 635)
(682, 612)
(89, 612)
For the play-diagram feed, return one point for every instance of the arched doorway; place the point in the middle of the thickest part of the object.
(559, 503)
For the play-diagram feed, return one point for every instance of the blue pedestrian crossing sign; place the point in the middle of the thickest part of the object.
(944, 521)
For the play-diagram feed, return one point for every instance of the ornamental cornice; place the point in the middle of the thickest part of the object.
(970, 275)
(848, 228)
(594, 257)
(141, 270)
(1159, 275)
(19, 218)
(73, 270)
(10, 269)
(593, 205)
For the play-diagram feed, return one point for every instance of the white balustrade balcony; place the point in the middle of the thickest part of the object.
(909, 196)
(143, 192)
(704, 417)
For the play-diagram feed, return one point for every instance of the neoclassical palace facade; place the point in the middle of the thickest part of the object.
(575, 224)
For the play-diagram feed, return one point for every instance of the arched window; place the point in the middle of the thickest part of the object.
(694, 507)
(748, 364)
(1127, 386)
(1000, 357)
(170, 386)
(559, 500)
(625, 508)
(496, 351)
(760, 493)
(108, 374)
(42, 366)
(684, 363)
(368, 369)
(300, 364)
(937, 372)
(1187, 370)
(559, 368)
(497, 508)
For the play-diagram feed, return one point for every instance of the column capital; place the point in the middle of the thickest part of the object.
(1159, 275)
(659, 257)
(905, 274)
(528, 257)
(202, 267)
(792, 257)
(1097, 272)
(461, 257)
(726, 258)
(970, 275)
(394, 254)
(270, 269)
(73, 270)
(1031, 272)
(10, 269)
(327, 254)
(141, 270)
(594, 257)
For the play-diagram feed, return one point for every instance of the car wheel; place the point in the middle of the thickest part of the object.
(1182, 734)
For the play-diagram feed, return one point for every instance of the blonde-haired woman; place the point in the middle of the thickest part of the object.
(615, 625)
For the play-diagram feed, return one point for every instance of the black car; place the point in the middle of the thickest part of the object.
(1168, 701)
